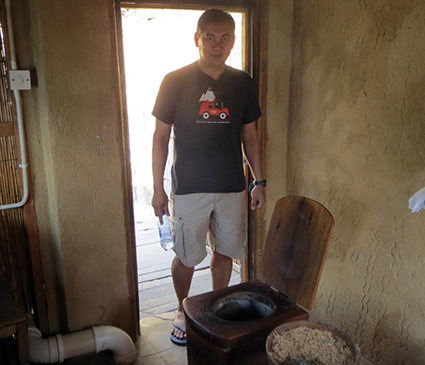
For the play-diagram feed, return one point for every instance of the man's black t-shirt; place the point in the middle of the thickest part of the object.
(207, 116)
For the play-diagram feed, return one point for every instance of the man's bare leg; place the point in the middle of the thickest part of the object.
(221, 270)
(182, 278)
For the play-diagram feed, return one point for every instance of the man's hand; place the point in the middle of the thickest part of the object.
(160, 203)
(258, 197)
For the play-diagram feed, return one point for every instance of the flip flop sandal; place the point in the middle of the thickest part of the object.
(176, 340)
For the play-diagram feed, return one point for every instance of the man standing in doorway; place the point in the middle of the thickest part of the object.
(212, 109)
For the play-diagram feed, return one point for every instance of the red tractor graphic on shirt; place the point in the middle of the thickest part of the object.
(211, 108)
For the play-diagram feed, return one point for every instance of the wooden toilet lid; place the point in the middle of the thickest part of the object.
(295, 251)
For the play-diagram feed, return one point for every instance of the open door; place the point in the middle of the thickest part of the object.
(242, 57)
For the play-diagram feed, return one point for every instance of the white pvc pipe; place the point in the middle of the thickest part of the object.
(94, 340)
(117, 341)
(19, 113)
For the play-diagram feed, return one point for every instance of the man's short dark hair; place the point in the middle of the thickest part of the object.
(214, 16)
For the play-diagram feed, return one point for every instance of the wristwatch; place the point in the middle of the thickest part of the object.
(255, 182)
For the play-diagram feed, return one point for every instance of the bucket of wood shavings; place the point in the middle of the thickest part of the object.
(306, 342)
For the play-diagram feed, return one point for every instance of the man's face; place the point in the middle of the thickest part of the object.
(215, 43)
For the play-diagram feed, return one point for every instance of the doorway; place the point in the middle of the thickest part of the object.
(155, 42)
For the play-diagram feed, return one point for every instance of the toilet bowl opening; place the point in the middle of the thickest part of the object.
(242, 307)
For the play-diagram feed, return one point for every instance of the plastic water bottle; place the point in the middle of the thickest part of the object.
(165, 233)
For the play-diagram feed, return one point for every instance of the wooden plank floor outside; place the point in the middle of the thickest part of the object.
(156, 291)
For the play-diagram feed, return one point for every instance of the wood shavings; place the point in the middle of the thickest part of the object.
(315, 345)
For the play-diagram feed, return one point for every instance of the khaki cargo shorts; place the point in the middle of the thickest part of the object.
(217, 218)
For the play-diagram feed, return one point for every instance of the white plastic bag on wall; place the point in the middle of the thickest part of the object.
(417, 201)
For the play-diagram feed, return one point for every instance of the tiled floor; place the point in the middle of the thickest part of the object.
(156, 347)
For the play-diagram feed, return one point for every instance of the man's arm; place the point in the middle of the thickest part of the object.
(161, 137)
(252, 150)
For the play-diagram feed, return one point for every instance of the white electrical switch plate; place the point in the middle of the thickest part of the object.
(19, 80)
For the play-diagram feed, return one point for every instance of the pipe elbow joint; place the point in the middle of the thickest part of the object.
(116, 340)
(59, 348)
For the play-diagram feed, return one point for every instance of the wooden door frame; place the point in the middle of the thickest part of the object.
(256, 36)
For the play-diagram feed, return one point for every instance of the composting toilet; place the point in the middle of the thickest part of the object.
(230, 326)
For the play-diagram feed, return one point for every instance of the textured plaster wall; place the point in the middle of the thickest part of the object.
(356, 144)
(75, 138)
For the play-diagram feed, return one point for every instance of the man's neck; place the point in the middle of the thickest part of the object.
(212, 71)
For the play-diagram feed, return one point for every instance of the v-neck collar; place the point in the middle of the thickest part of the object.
(206, 75)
